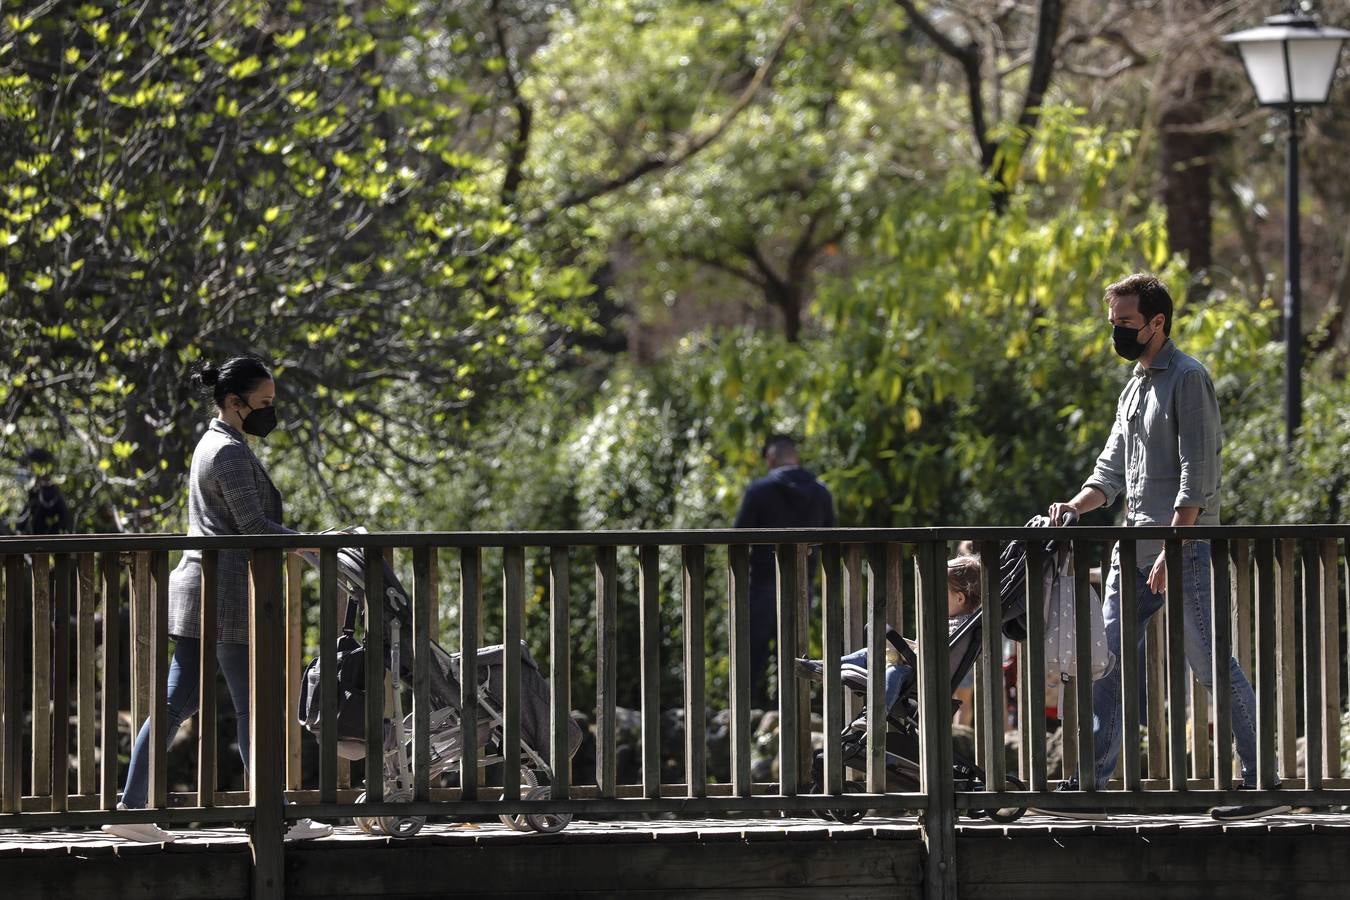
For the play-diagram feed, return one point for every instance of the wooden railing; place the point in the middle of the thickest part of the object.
(1278, 592)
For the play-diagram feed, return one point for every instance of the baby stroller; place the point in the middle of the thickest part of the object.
(902, 719)
(446, 717)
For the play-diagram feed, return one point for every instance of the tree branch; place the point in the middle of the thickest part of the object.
(969, 58)
(519, 147)
(692, 144)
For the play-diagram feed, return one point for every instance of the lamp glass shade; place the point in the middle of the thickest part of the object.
(1287, 50)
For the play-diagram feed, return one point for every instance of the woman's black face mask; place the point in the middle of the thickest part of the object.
(259, 422)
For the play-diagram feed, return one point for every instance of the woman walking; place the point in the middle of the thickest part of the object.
(229, 493)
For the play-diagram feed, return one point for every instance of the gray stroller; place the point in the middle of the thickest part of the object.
(446, 718)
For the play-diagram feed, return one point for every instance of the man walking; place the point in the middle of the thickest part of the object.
(1163, 455)
(788, 497)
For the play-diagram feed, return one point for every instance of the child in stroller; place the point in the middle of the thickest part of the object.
(902, 709)
(447, 718)
(963, 602)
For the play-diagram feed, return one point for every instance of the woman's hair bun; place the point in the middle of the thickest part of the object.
(206, 377)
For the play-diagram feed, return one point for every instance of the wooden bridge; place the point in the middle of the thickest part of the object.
(62, 711)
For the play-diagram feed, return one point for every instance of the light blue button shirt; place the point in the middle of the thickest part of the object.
(1163, 452)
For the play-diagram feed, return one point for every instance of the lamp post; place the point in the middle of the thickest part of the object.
(1291, 61)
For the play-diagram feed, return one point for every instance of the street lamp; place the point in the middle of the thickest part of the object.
(1291, 61)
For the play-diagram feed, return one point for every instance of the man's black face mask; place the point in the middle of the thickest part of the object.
(1127, 343)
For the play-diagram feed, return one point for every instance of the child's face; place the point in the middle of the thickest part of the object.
(958, 605)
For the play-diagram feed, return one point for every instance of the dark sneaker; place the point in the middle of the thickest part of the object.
(1087, 814)
(1247, 811)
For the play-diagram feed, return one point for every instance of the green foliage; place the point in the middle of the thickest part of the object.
(189, 182)
(804, 170)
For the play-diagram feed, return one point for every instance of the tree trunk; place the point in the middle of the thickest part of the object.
(787, 297)
(1186, 158)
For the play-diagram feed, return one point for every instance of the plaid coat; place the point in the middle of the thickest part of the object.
(229, 492)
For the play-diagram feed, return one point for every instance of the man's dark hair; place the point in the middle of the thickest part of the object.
(778, 446)
(1153, 297)
(40, 456)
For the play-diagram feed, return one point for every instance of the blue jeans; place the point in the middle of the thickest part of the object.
(897, 677)
(1106, 691)
(183, 697)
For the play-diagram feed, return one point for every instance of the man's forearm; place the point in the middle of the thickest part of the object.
(1088, 499)
(1185, 515)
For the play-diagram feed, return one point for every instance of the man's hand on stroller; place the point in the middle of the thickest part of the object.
(1088, 499)
(1063, 513)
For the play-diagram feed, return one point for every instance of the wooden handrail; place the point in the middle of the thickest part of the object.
(1269, 584)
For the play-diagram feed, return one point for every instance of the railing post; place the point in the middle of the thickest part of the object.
(876, 668)
(649, 650)
(1083, 554)
(1266, 668)
(1176, 667)
(1287, 664)
(1312, 667)
(110, 576)
(60, 746)
(423, 601)
(560, 671)
(1129, 663)
(993, 717)
(788, 560)
(606, 673)
(40, 619)
(328, 699)
(1222, 631)
(513, 629)
(855, 615)
(470, 604)
(141, 658)
(1331, 668)
(267, 646)
(738, 599)
(939, 817)
(832, 778)
(11, 706)
(85, 692)
(695, 707)
(295, 662)
(206, 730)
(1034, 647)
(159, 679)
(373, 570)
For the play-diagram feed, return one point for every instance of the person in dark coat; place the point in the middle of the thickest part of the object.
(788, 497)
(46, 511)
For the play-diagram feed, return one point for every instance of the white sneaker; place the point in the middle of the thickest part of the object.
(142, 833)
(305, 829)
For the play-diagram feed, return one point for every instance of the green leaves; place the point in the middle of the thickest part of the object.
(207, 185)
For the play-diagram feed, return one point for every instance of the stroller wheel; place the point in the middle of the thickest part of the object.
(368, 824)
(1007, 815)
(402, 826)
(848, 816)
(823, 814)
(528, 781)
(546, 823)
(1010, 814)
